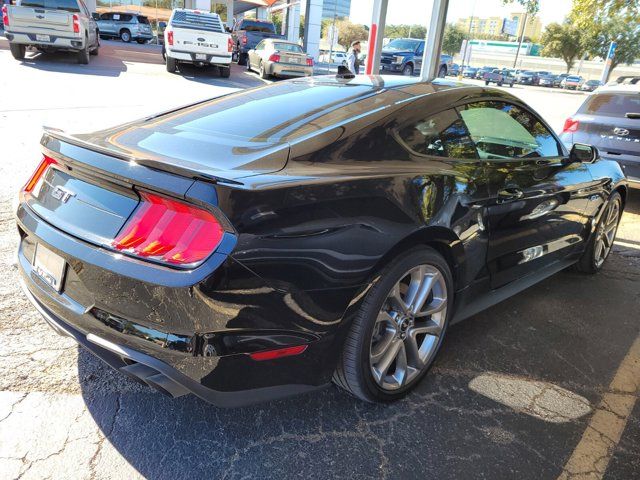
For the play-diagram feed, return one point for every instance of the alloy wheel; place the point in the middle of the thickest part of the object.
(606, 232)
(408, 327)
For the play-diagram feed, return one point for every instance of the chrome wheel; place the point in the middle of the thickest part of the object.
(408, 328)
(606, 232)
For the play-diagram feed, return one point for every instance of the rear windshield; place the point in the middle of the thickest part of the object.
(251, 26)
(573, 79)
(67, 5)
(287, 47)
(611, 104)
(209, 22)
(142, 19)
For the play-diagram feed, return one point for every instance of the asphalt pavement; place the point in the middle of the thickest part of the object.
(542, 386)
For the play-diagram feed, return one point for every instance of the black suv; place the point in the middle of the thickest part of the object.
(404, 55)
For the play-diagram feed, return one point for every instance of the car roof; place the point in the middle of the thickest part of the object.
(620, 88)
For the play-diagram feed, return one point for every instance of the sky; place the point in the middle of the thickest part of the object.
(411, 11)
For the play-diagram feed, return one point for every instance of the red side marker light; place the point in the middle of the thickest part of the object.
(278, 353)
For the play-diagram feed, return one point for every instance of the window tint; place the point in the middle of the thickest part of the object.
(126, 18)
(253, 26)
(142, 19)
(611, 104)
(441, 135)
(67, 5)
(105, 16)
(287, 47)
(502, 130)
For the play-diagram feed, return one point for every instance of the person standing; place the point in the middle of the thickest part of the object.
(353, 62)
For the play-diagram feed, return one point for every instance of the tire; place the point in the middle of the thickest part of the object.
(83, 56)
(511, 85)
(141, 41)
(592, 260)
(499, 84)
(164, 54)
(407, 70)
(242, 58)
(356, 366)
(171, 64)
(125, 36)
(487, 82)
(18, 51)
(249, 65)
(442, 72)
(96, 50)
(263, 73)
(225, 72)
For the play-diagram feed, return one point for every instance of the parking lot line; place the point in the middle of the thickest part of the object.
(591, 456)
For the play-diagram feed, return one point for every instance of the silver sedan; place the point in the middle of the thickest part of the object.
(279, 58)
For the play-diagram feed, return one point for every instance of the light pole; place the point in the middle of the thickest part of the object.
(524, 25)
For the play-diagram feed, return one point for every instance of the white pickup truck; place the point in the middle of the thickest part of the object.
(197, 37)
(51, 25)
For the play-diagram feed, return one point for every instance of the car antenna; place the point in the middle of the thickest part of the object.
(344, 72)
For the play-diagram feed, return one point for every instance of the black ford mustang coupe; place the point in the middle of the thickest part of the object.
(267, 242)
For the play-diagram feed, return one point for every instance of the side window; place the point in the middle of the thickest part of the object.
(105, 16)
(116, 17)
(260, 45)
(440, 135)
(126, 18)
(502, 130)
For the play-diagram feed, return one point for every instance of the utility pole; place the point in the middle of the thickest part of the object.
(524, 26)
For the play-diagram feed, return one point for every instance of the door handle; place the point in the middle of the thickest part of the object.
(507, 194)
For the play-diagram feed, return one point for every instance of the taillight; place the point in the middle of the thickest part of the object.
(310, 62)
(244, 39)
(170, 37)
(169, 231)
(274, 58)
(76, 23)
(5, 16)
(230, 44)
(570, 125)
(278, 353)
(39, 173)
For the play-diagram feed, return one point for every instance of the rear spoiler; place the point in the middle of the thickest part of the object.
(57, 134)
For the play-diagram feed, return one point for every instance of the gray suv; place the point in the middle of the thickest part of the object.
(126, 26)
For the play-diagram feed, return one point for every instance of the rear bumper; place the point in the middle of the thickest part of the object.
(156, 373)
(289, 69)
(56, 41)
(189, 57)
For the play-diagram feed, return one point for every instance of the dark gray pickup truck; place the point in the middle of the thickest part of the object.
(247, 33)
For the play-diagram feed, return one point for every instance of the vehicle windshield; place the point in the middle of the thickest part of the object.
(287, 47)
(593, 82)
(66, 5)
(402, 44)
(612, 104)
(252, 26)
(573, 79)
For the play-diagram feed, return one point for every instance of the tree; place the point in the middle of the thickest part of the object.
(532, 7)
(452, 39)
(626, 35)
(405, 31)
(564, 41)
(588, 14)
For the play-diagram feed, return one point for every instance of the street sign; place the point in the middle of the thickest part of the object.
(510, 27)
(608, 62)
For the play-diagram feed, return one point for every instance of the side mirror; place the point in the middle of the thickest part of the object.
(95, 16)
(583, 153)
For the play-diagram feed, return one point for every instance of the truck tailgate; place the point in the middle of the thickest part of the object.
(27, 17)
(200, 41)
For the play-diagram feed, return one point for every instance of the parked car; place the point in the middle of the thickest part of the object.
(455, 70)
(199, 38)
(279, 58)
(557, 82)
(546, 80)
(590, 85)
(500, 77)
(526, 77)
(247, 33)
(469, 72)
(125, 26)
(254, 253)
(609, 118)
(339, 58)
(572, 82)
(404, 55)
(481, 72)
(50, 26)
